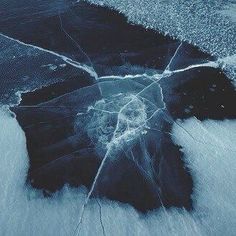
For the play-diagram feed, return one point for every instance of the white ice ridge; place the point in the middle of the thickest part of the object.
(158, 76)
(67, 60)
(220, 63)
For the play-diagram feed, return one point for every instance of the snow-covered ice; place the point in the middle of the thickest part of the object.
(212, 162)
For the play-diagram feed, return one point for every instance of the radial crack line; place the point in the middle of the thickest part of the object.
(68, 60)
(211, 64)
(167, 69)
(129, 76)
(76, 43)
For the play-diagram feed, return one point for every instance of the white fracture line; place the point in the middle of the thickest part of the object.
(68, 60)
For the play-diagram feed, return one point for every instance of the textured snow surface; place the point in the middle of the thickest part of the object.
(229, 10)
(209, 25)
(210, 158)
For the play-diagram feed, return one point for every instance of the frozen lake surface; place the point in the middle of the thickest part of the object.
(105, 119)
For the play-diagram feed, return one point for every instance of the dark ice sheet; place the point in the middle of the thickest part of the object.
(149, 172)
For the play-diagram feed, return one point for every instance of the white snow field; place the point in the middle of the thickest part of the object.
(209, 149)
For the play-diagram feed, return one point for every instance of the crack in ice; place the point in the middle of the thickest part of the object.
(68, 60)
(77, 45)
(123, 137)
(100, 216)
(167, 69)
